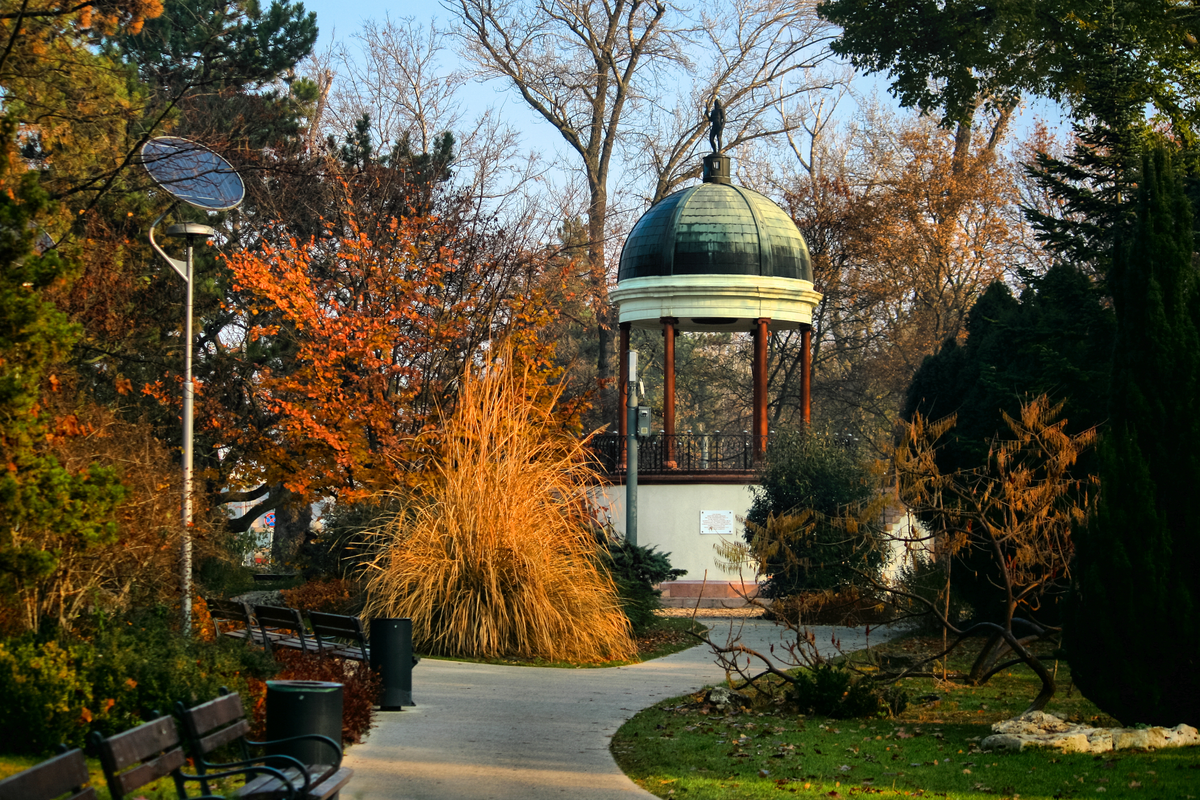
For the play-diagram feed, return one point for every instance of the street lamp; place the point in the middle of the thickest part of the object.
(193, 174)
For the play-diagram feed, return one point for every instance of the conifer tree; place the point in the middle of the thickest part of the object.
(1133, 630)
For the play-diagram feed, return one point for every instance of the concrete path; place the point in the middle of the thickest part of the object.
(489, 732)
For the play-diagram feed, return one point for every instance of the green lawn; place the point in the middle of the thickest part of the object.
(683, 748)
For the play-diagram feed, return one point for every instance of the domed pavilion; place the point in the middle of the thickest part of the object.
(716, 257)
(712, 257)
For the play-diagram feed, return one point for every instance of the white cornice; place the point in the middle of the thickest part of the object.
(787, 302)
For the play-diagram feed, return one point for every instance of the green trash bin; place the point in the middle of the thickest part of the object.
(295, 708)
(392, 658)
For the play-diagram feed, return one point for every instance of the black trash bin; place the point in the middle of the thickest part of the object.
(392, 658)
(303, 707)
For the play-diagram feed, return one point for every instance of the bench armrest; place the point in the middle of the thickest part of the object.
(337, 750)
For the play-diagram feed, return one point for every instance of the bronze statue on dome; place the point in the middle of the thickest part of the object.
(716, 115)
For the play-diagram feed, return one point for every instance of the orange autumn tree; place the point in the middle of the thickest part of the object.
(346, 347)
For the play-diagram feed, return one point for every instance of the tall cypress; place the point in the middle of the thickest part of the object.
(1132, 631)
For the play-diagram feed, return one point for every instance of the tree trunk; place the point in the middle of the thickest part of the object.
(597, 215)
(292, 519)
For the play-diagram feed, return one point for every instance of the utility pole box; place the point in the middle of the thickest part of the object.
(643, 422)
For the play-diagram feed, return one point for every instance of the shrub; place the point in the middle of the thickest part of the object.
(498, 560)
(360, 690)
(812, 478)
(926, 579)
(145, 666)
(637, 570)
(345, 543)
(46, 696)
(830, 691)
(221, 576)
(58, 690)
(336, 596)
(848, 605)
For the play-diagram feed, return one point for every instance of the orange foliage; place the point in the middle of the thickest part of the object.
(366, 336)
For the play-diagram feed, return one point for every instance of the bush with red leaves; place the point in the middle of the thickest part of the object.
(334, 596)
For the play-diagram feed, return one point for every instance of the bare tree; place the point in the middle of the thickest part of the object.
(907, 223)
(581, 65)
(399, 83)
(1021, 507)
(399, 80)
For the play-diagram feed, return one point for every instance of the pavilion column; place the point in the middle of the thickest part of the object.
(806, 373)
(759, 432)
(668, 324)
(623, 395)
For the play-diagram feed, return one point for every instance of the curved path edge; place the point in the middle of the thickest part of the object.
(491, 732)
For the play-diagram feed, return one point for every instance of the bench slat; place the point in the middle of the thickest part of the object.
(50, 779)
(331, 785)
(268, 787)
(160, 767)
(230, 611)
(132, 746)
(222, 711)
(219, 739)
(138, 756)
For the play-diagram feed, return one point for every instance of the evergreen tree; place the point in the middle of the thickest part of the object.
(808, 470)
(1055, 340)
(1133, 630)
(46, 510)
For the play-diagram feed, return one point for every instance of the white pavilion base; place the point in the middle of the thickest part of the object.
(669, 518)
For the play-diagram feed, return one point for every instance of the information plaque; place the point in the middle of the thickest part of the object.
(717, 522)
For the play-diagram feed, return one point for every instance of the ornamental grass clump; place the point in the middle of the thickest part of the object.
(497, 559)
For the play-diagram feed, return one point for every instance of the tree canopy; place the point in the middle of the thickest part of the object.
(950, 57)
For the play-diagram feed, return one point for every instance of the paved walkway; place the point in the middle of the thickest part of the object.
(489, 732)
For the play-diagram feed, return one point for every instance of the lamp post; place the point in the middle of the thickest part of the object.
(195, 175)
(190, 232)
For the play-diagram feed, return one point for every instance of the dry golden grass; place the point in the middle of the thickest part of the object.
(497, 561)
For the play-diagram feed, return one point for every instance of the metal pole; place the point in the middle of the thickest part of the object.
(188, 395)
(189, 231)
(631, 472)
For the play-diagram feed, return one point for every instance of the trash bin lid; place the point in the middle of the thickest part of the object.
(303, 686)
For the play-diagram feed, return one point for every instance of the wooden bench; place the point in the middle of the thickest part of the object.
(236, 612)
(283, 627)
(217, 723)
(66, 774)
(340, 636)
(140, 756)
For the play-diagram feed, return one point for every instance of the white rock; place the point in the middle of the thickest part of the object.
(1038, 729)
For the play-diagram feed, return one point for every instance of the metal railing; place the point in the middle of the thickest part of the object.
(680, 452)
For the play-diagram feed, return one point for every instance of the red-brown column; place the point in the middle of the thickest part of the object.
(761, 328)
(668, 324)
(806, 373)
(623, 397)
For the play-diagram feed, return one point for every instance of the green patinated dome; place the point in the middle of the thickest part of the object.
(715, 229)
